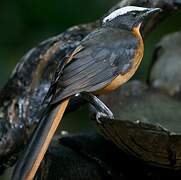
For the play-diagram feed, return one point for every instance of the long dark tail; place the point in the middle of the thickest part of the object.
(29, 162)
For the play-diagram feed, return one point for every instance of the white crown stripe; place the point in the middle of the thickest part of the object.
(122, 11)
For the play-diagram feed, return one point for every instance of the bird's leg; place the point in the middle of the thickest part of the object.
(102, 111)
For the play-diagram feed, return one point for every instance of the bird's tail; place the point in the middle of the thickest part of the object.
(29, 162)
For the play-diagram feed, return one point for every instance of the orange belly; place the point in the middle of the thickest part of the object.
(118, 81)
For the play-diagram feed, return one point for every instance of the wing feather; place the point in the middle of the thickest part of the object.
(96, 65)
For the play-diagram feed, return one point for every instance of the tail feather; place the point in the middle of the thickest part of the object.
(28, 164)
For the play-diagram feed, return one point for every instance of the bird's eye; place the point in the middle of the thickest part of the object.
(134, 14)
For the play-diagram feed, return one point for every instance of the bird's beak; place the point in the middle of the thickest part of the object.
(150, 12)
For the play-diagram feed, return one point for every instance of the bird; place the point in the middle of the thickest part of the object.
(104, 60)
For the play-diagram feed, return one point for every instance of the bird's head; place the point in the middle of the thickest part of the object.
(128, 17)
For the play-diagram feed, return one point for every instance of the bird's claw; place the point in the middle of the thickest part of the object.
(101, 115)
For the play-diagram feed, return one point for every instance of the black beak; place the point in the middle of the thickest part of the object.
(150, 12)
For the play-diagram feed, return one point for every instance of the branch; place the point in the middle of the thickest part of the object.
(90, 156)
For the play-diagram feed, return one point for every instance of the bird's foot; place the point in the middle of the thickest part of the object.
(102, 115)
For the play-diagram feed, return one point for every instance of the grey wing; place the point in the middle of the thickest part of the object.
(95, 67)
